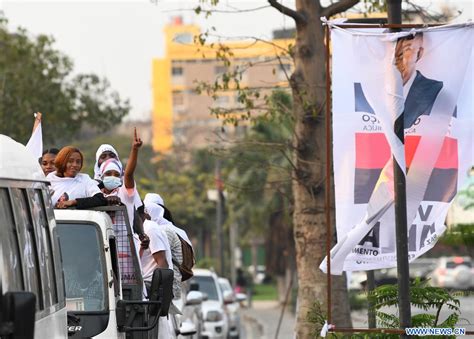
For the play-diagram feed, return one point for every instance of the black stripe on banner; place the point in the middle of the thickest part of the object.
(442, 185)
(364, 184)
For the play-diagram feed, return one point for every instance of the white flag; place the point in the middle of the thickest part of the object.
(35, 144)
(377, 77)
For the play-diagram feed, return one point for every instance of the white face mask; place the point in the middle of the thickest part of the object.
(112, 182)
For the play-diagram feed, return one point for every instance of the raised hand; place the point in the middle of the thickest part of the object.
(137, 142)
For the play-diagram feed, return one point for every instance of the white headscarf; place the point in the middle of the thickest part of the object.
(153, 198)
(110, 165)
(156, 212)
(102, 148)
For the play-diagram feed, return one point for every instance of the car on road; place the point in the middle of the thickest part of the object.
(216, 322)
(232, 307)
(453, 272)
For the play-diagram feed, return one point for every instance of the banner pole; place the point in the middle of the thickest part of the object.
(328, 175)
(394, 9)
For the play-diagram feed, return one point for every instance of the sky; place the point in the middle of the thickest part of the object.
(119, 39)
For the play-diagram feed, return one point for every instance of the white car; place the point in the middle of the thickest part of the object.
(453, 272)
(216, 323)
(232, 307)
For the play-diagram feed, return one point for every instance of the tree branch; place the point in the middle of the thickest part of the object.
(298, 17)
(339, 7)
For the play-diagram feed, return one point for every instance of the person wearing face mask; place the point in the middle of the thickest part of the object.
(118, 185)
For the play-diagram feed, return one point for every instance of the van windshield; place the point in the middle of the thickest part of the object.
(207, 285)
(83, 265)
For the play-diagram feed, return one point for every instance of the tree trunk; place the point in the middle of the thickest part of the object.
(308, 87)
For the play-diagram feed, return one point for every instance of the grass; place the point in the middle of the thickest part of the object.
(265, 292)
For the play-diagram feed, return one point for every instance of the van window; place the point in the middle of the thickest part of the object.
(28, 244)
(83, 266)
(12, 278)
(43, 236)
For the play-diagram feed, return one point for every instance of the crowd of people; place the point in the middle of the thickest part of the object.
(159, 241)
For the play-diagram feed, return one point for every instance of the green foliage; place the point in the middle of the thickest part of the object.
(206, 262)
(34, 76)
(260, 179)
(461, 234)
(264, 292)
(422, 296)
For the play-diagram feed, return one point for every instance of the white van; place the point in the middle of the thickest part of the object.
(32, 300)
(104, 287)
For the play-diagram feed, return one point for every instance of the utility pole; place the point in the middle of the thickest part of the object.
(219, 217)
(394, 8)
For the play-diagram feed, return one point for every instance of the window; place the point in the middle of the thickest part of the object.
(284, 72)
(45, 253)
(183, 38)
(28, 245)
(84, 267)
(220, 70)
(206, 285)
(178, 100)
(222, 101)
(12, 278)
(177, 71)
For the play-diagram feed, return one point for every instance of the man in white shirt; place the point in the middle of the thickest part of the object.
(157, 255)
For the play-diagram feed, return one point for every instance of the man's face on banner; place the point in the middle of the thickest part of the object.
(407, 53)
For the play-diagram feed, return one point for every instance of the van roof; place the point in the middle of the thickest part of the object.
(16, 162)
(86, 216)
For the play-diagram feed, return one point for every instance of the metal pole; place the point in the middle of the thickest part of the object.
(328, 177)
(394, 8)
(370, 288)
(219, 217)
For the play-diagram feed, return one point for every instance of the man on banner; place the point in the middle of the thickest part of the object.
(431, 156)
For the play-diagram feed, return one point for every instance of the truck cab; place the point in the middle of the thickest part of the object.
(105, 296)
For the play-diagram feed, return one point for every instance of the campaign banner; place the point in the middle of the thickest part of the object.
(427, 75)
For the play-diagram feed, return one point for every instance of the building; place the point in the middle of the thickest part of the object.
(181, 116)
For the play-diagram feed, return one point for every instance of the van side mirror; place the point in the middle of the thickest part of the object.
(161, 289)
(229, 297)
(187, 328)
(240, 297)
(18, 315)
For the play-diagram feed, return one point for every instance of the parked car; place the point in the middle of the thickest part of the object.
(216, 323)
(32, 301)
(453, 272)
(232, 307)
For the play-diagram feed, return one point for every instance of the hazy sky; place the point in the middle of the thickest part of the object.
(119, 39)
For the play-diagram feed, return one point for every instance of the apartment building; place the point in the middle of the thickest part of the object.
(182, 116)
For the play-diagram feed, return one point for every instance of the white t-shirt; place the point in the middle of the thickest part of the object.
(81, 186)
(158, 242)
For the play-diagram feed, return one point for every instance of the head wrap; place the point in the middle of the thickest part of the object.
(109, 165)
(156, 213)
(153, 198)
(103, 148)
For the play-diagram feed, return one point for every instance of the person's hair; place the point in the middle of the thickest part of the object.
(51, 150)
(63, 156)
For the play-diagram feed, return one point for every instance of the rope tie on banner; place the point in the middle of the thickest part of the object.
(326, 328)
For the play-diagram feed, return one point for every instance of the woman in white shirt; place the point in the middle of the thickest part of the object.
(70, 187)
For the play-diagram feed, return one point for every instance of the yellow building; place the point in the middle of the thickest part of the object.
(181, 116)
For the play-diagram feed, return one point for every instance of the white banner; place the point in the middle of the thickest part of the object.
(427, 75)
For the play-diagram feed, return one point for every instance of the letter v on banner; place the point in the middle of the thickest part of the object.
(391, 73)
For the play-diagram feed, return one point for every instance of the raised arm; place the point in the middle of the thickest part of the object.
(132, 161)
(37, 121)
